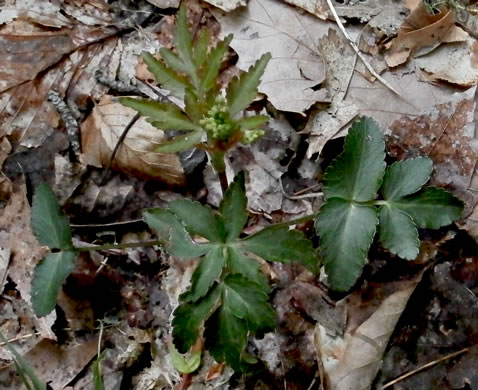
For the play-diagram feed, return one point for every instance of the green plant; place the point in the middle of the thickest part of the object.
(347, 222)
(191, 74)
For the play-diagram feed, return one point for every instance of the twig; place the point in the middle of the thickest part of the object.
(296, 197)
(117, 85)
(105, 225)
(430, 364)
(357, 50)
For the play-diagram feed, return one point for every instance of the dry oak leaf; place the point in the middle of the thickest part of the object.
(100, 133)
(296, 66)
(422, 29)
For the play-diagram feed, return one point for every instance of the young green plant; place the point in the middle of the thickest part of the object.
(191, 74)
(347, 222)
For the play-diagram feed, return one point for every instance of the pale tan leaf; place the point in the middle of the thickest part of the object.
(100, 133)
(296, 65)
(227, 5)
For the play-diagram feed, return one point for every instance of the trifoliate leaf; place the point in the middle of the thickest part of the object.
(242, 91)
(190, 317)
(49, 225)
(176, 240)
(49, 275)
(185, 364)
(406, 177)
(282, 245)
(166, 77)
(180, 143)
(207, 272)
(398, 233)
(198, 219)
(165, 116)
(200, 48)
(346, 232)
(244, 308)
(233, 207)
(248, 267)
(431, 207)
(214, 61)
(253, 122)
(357, 173)
(183, 43)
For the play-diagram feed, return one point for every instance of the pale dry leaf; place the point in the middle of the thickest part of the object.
(296, 66)
(227, 5)
(451, 63)
(318, 8)
(43, 12)
(422, 29)
(164, 3)
(100, 133)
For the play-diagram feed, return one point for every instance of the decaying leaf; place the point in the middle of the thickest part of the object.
(101, 131)
(296, 65)
(422, 29)
(227, 5)
(352, 361)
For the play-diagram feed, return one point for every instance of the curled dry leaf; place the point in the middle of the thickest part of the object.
(100, 133)
(422, 29)
(296, 66)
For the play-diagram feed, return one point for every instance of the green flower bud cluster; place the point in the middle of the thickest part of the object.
(218, 123)
(249, 136)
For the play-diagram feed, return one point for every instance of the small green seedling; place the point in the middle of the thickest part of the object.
(191, 74)
(229, 293)
(347, 222)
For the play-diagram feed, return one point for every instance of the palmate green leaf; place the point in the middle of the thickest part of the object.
(214, 61)
(192, 106)
(357, 173)
(170, 230)
(49, 275)
(398, 233)
(346, 232)
(200, 48)
(208, 271)
(198, 219)
(23, 368)
(431, 208)
(173, 61)
(242, 91)
(49, 225)
(406, 177)
(190, 317)
(166, 77)
(183, 43)
(244, 308)
(282, 245)
(181, 142)
(238, 263)
(165, 116)
(233, 207)
(253, 122)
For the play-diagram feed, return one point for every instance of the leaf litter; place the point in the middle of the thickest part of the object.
(435, 118)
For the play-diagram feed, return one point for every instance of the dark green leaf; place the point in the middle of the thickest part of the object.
(398, 232)
(165, 116)
(183, 42)
(192, 107)
(173, 234)
(49, 275)
(208, 271)
(172, 60)
(248, 267)
(200, 48)
(190, 317)
(165, 76)
(346, 232)
(198, 219)
(181, 143)
(214, 61)
(282, 245)
(357, 173)
(49, 225)
(253, 122)
(406, 177)
(431, 207)
(233, 207)
(242, 91)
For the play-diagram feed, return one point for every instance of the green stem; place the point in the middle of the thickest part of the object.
(219, 164)
(117, 246)
(296, 221)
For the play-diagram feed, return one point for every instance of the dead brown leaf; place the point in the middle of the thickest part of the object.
(101, 131)
(422, 29)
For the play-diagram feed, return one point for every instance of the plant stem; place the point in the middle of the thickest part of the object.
(117, 246)
(219, 164)
(296, 221)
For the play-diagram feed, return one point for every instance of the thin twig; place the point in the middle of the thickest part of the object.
(430, 364)
(105, 225)
(357, 50)
(296, 197)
